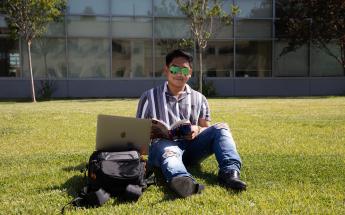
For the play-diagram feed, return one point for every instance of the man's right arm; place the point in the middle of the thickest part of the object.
(143, 107)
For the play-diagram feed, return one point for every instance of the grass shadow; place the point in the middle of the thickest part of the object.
(196, 170)
(81, 168)
(73, 185)
(162, 185)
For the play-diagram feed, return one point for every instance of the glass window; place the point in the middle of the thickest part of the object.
(254, 29)
(88, 58)
(131, 58)
(255, 8)
(3, 23)
(2, 4)
(223, 32)
(9, 58)
(291, 64)
(131, 7)
(218, 59)
(280, 7)
(322, 64)
(226, 5)
(162, 48)
(166, 8)
(88, 26)
(172, 28)
(56, 29)
(48, 57)
(130, 27)
(253, 58)
(89, 7)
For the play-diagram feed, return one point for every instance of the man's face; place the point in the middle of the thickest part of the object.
(180, 78)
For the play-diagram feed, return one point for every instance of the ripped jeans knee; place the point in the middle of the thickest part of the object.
(168, 157)
(172, 151)
(162, 150)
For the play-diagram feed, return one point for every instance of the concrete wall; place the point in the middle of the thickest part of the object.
(280, 86)
(12, 89)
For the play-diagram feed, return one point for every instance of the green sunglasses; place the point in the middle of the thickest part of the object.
(176, 69)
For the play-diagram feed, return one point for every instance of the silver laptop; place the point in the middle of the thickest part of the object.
(118, 133)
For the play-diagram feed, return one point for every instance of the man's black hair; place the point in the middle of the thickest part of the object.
(178, 53)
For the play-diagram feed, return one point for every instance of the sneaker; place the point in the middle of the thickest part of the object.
(185, 186)
(232, 180)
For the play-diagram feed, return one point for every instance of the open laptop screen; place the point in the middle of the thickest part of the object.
(118, 133)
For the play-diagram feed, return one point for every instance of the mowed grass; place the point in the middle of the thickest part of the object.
(293, 153)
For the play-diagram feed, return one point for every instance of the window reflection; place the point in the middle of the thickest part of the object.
(254, 29)
(56, 29)
(89, 26)
(279, 7)
(88, 7)
(253, 58)
(9, 58)
(218, 59)
(131, 7)
(322, 64)
(93, 28)
(291, 64)
(255, 8)
(129, 27)
(223, 32)
(88, 58)
(166, 8)
(48, 58)
(172, 28)
(131, 58)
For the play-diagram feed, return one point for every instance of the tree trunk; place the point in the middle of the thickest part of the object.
(342, 53)
(200, 72)
(45, 65)
(31, 75)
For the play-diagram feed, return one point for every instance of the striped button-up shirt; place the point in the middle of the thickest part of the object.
(158, 103)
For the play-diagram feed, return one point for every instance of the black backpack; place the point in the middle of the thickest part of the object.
(121, 174)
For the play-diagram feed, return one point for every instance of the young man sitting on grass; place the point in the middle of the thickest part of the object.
(173, 101)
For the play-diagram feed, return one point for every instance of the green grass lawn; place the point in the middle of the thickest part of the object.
(293, 153)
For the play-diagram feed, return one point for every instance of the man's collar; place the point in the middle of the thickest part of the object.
(187, 88)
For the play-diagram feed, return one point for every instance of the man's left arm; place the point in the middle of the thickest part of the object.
(204, 120)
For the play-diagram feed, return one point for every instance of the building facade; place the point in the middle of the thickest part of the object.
(117, 48)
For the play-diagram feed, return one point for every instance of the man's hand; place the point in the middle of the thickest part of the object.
(195, 132)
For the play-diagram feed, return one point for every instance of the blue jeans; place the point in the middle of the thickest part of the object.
(171, 156)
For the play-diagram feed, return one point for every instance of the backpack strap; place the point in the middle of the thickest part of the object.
(89, 199)
(150, 177)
